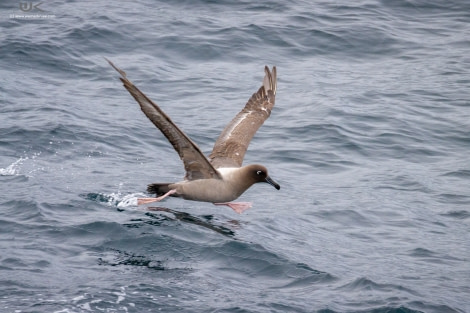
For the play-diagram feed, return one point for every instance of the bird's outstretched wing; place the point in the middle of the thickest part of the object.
(195, 163)
(229, 149)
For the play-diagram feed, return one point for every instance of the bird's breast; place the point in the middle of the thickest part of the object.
(207, 190)
(229, 188)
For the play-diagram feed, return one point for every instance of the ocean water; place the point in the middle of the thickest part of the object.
(369, 140)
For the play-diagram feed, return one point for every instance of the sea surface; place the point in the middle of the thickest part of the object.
(369, 140)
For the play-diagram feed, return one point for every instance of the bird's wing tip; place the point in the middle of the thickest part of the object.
(270, 79)
(123, 74)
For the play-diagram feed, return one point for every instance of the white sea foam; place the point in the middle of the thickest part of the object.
(23, 166)
(122, 200)
(117, 199)
(121, 295)
(13, 168)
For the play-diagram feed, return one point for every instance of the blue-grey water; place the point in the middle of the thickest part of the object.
(369, 140)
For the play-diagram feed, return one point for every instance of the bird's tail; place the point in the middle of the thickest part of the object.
(158, 188)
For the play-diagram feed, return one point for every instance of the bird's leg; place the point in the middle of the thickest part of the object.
(141, 201)
(238, 207)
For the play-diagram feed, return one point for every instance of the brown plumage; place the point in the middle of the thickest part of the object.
(223, 178)
(231, 146)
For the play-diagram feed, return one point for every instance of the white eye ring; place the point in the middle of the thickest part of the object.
(258, 172)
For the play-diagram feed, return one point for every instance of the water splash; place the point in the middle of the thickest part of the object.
(25, 165)
(117, 199)
(13, 169)
(122, 201)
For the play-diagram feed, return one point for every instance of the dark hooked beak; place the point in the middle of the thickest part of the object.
(272, 183)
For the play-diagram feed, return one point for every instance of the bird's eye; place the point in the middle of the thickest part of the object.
(259, 172)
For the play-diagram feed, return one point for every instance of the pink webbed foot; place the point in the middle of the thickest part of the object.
(238, 207)
(141, 201)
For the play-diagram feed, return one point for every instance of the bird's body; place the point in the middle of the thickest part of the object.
(221, 178)
(234, 182)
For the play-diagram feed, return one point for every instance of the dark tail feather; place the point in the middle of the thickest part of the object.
(158, 188)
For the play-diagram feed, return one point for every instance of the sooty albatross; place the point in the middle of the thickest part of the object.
(221, 178)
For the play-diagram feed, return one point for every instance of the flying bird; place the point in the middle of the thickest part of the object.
(220, 178)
